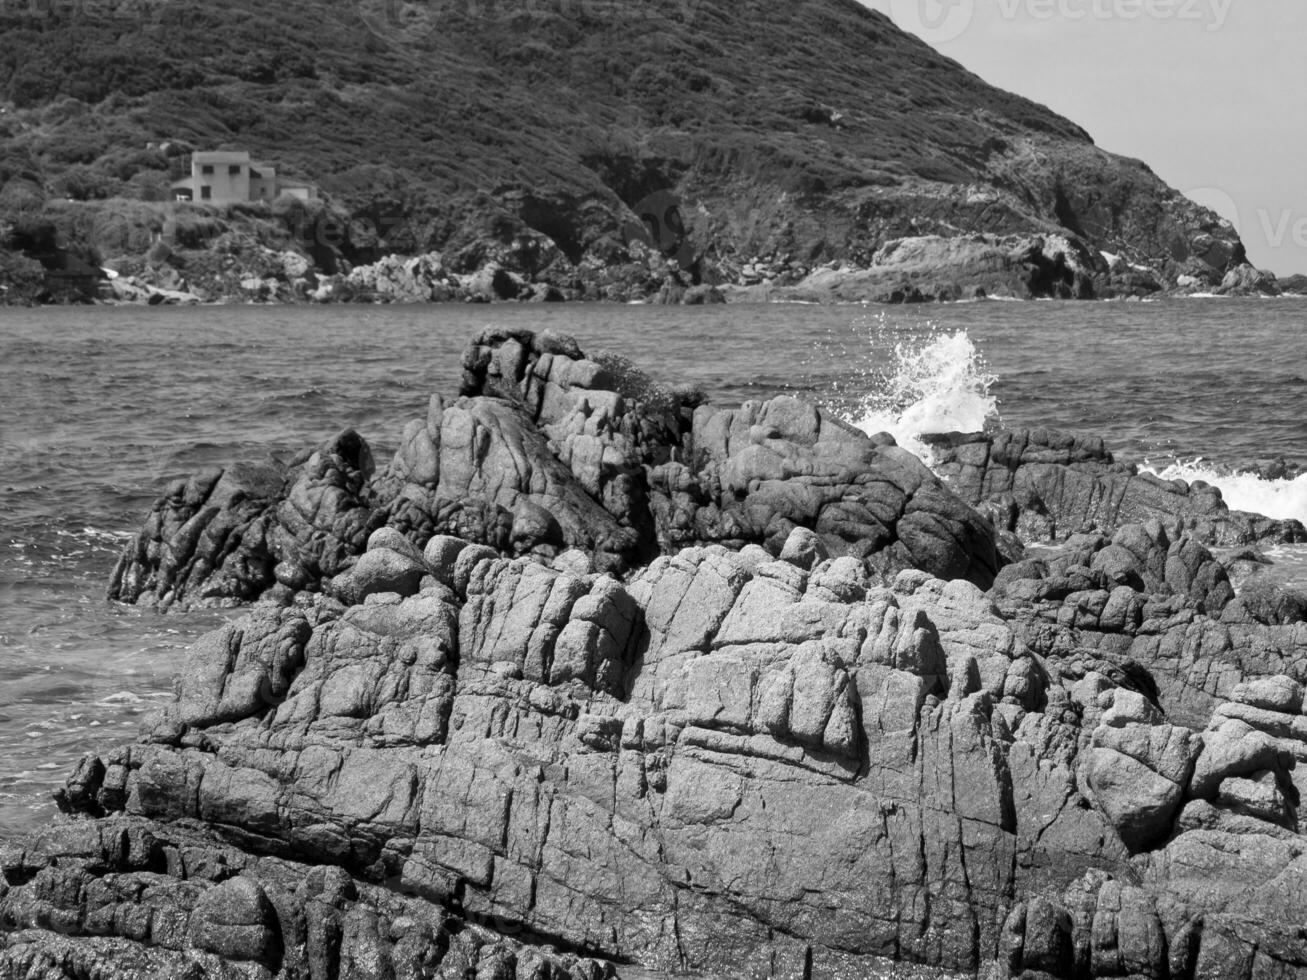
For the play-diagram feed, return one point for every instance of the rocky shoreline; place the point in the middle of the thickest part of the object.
(594, 678)
(159, 254)
(908, 271)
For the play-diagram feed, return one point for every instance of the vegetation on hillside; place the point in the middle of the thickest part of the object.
(798, 132)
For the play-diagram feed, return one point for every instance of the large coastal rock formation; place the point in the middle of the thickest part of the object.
(728, 762)
(547, 451)
(594, 678)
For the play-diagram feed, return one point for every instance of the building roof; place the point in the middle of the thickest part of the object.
(220, 156)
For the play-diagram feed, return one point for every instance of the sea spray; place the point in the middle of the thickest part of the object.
(1281, 499)
(922, 384)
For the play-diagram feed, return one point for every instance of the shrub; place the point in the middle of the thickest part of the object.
(150, 185)
(22, 280)
(631, 381)
(82, 183)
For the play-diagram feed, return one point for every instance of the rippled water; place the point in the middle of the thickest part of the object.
(100, 408)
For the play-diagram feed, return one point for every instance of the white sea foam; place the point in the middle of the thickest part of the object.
(1280, 499)
(929, 384)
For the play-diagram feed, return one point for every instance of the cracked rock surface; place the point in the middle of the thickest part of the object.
(547, 451)
(666, 702)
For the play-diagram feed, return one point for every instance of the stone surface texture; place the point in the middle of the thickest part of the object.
(584, 684)
(547, 451)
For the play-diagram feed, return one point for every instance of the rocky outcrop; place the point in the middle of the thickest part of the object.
(547, 451)
(1211, 901)
(727, 762)
(1245, 280)
(1151, 595)
(605, 764)
(1292, 285)
(1044, 485)
(125, 897)
(228, 535)
(941, 269)
(594, 677)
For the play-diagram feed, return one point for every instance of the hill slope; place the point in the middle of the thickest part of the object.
(746, 140)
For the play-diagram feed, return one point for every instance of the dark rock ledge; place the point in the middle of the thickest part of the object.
(495, 758)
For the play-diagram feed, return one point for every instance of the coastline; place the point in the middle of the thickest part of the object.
(142, 253)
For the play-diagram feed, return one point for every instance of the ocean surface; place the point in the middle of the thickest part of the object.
(101, 407)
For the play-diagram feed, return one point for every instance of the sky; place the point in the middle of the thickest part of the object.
(1212, 94)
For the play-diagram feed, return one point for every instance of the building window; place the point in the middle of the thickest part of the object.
(234, 170)
(207, 169)
(206, 193)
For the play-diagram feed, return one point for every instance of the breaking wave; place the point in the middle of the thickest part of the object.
(1281, 499)
(928, 384)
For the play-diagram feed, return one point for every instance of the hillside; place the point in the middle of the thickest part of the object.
(748, 142)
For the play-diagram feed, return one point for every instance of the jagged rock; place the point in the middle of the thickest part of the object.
(1137, 770)
(205, 538)
(394, 278)
(564, 754)
(1055, 484)
(692, 691)
(546, 452)
(1246, 280)
(127, 898)
(1174, 613)
(493, 740)
(1259, 797)
(1268, 603)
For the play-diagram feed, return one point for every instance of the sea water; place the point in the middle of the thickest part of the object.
(100, 408)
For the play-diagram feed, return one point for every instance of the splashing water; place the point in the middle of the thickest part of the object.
(1280, 499)
(929, 384)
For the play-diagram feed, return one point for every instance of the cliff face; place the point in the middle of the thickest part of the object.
(744, 143)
